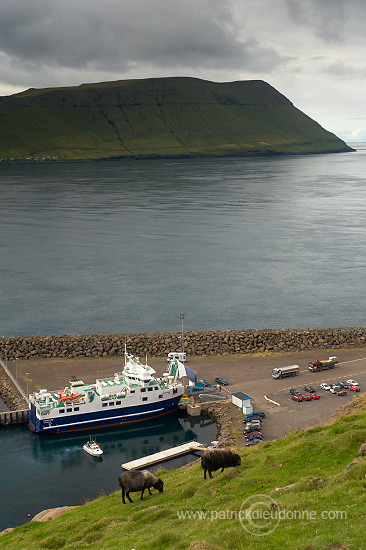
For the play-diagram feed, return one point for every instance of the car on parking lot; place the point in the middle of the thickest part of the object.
(221, 381)
(306, 397)
(343, 385)
(294, 391)
(325, 386)
(253, 435)
(309, 389)
(314, 395)
(250, 429)
(256, 413)
(354, 388)
(253, 424)
(253, 418)
(253, 442)
(296, 397)
(352, 382)
(204, 382)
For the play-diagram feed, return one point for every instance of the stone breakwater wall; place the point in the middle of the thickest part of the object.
(158, 344)
(10, 395)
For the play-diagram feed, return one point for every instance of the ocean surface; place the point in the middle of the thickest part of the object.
(38, 472)
(127, 246)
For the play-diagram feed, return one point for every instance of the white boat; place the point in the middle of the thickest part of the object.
(133, 395)
(92, 448)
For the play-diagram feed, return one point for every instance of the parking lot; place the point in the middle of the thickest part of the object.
(247, 373)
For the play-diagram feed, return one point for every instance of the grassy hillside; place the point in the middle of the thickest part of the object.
(158, 117)
(320, 505)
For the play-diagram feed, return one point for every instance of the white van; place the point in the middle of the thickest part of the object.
(180, 355)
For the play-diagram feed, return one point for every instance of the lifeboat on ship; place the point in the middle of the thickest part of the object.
(66, 395)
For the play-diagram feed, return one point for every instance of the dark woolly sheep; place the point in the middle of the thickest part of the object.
(136, 480)
(214, 459)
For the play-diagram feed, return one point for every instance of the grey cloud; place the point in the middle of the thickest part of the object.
(339, 68)
(329, 20)
(115, 35)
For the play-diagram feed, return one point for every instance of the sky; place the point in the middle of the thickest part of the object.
(312, 51)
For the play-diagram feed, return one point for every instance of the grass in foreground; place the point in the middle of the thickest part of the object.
(320, 505)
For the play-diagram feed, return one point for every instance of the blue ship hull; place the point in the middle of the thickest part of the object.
(101, 419)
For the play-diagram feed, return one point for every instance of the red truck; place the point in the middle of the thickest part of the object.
(317, 366)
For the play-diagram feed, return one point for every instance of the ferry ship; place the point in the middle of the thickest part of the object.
(133, 395)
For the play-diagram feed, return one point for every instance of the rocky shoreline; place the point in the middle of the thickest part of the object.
(158, 344)
(10, 395)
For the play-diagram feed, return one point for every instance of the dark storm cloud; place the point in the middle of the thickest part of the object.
(118, 34)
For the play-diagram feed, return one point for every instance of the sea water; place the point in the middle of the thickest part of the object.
(39, 471)
(126, 246)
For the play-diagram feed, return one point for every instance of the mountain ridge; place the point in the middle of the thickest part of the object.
(170, 117)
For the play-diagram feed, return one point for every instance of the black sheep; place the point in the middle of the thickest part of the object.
(136, 480)
(214, 459)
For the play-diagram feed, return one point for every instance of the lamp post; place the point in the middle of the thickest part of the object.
(181, 317)
(27, 382)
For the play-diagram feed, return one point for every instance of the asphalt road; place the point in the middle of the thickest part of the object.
(247, 373)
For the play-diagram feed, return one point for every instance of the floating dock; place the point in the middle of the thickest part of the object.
(164, 455)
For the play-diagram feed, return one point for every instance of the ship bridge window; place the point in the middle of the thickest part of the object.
(160, 396)
(149, 389)
(144, 398)
(104, 404)
(118, 402)
(76, 409)
(175, 390)
(61, 411)
(132, 391)
(68, 410)
(111, 404)
(143, 389)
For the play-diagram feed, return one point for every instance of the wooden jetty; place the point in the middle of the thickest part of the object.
(163, 455)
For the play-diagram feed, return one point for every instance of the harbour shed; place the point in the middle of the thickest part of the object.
(242, 400)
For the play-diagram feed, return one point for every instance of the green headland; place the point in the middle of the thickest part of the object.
(158, 117)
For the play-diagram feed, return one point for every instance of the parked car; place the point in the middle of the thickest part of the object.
(253, 442)
(253, 425)
(354, 388)
(251, 429)
(221, 381)
(253, 435)
(293, 391)
(314, 396)
(325, 386)
(337, 390)
(296, 398)
(204, 382)
(307, 397)
(352, 382)
(343, 385)
(250, 419)
(309, 389)
(256, 413)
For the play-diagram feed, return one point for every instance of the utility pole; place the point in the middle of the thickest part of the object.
(181, 317)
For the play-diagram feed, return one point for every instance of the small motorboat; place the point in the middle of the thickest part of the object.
(93, 448)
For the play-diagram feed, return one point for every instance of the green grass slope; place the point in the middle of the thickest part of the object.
(294, 493)
(158, 117)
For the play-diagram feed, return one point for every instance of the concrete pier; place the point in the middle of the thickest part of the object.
(163, 455)
(14, 417)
